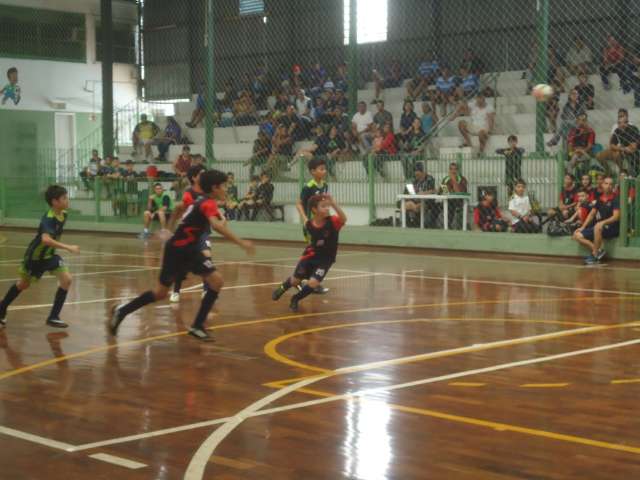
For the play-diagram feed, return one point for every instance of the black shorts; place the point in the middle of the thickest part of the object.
(307, 269)
(154, 215)
(608, 231)
(177, 262)
(35, 269)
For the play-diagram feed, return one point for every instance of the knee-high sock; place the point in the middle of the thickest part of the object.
(145, 299)
(58, 302)
(205, 307)
(11, 295)
(305, 292)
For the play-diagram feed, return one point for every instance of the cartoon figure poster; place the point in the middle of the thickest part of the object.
(11, 91)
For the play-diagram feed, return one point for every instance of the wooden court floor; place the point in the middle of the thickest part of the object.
(414, 366)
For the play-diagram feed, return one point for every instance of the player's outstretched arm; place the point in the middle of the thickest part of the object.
(341, 215)
(221, 227)
(50, 242)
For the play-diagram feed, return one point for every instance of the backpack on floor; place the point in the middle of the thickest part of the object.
(557, 228)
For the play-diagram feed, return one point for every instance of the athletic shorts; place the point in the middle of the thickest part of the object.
(608, 231)
(307, 269)
(177, 262)
(34, 270)
(154, 215)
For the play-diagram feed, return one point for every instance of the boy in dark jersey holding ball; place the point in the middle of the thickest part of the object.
(41, 257)
(183, 254)
(318, 257)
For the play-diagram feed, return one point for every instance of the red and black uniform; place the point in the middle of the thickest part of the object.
(488, 218)
(189, 197)
(321, 252)
(183, 251)
(606, 206)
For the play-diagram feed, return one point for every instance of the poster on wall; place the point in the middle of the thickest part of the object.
(11, 91)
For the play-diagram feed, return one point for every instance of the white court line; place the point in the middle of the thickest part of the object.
(88, 274)
(198, 463)
(36, 439)
(122, 462)
(102, 254)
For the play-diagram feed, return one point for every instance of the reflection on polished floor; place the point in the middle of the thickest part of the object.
(416, 365)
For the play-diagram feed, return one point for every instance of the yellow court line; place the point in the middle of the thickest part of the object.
(104, 348)
(625, 381)
(271, 348)
(544, 385)
(498, 426)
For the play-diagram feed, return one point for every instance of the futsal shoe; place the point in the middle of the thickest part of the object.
(3, 320)
(590, 260)
(293, 305)
(277, 293)
(600, 254)
(115, 320)
(175, 297)
(320, 290)
(201, 334)
(56, 323)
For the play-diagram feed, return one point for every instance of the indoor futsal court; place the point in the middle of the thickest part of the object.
(415, 365)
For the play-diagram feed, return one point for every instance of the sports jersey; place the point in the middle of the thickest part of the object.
(162, 200)
(309, 190)
(569, 197)
(484, 216)
(51, 225)
(323, 240)
(190, 196)
(606, 205)
(195, 223)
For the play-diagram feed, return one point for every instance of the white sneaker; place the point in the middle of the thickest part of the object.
(175, 297)
(204, 292)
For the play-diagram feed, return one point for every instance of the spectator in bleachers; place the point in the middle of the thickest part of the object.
(172, 136)
(320, 114)
(568, 200)
(91, 171)
(417, 88)
(281, 150)
(229, 96)
(317, 76)
(602, 223)
(429, 117)
(268, 125)
(248, 201)
(340, 78)
(244, 110)
(487, 216)
(586, 91)
(352, 150)
(264, 197)
(282, 102)
(522, 218)
(362, 126)
(469, 84)
(445, 90)
(261, 151)
(384, 145)
(406, 119)
(471, 63)
(143, 136)
(341, 120)
(551, 111)
(200, 111)
(555, 73)
(304, 108)
(297, 80)
(392, 77)
(197, 159)
(583, 207)
(579, 58)
(336, 149)
(587, 186)
(294, 125)
(129, 171)
(570, 112)
(580, 142)
(623, 145)
(412, 147)
(341, 100)
(513, 162)
(382, 116)
(614, 61)
(454, 182)
(230, 204)
(423, 184)
(159, 207)
(259, 89)
(180, 168)
(482, 121)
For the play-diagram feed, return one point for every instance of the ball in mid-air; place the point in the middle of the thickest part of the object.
(542, 92)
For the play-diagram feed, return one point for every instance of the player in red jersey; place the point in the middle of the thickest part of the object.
(183, 254)
(320, 254)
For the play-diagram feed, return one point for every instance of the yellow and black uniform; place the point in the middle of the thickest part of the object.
(39, 258)
(310, 189)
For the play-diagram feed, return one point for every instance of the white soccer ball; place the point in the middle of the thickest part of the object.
(542, 92)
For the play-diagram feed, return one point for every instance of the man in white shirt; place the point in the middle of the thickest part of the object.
(579, 58)
(520, 208)
(362, 126)
(482, 121)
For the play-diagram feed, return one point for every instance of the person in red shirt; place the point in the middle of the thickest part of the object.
(487, 216)
(613, 61)
(320, 254)
(183, 254)
(587, 186)
(580, 141)
(568, 199)
(582, 210)
(383, 146)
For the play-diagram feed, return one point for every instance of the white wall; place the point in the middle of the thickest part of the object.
(76, 84)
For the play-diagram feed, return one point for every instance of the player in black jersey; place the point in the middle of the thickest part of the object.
(321, 252)
(183, 253)
(41, 257)
(316, 186)
(189, 197)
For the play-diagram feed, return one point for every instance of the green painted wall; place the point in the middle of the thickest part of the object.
(24, 136)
